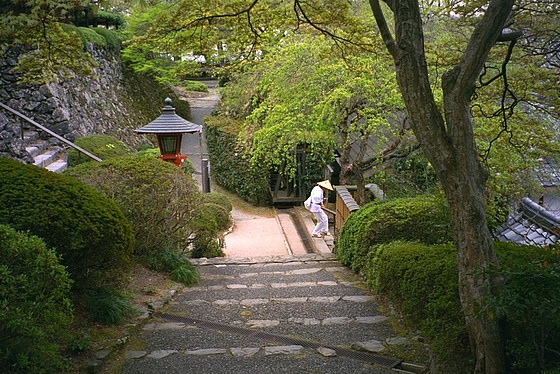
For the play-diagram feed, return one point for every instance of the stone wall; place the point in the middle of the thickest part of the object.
(112, 100)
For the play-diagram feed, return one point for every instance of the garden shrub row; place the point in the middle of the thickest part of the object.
(416, 269)
(421, 280)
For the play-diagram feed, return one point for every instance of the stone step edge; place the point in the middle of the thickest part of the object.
(309, 257)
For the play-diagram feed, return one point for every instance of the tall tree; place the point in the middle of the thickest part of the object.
(447, 138)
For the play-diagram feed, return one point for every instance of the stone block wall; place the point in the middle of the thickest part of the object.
(112, 100)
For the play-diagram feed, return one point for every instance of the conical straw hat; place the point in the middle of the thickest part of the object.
(326, 184)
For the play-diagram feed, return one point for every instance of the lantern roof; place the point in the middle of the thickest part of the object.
(169, 123)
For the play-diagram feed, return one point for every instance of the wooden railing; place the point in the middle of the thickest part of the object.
(345, 204)
(50, 132)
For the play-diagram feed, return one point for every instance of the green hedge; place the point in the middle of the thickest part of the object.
(425, 219)
(422, 282)
(219, 199)
(34, 302)
(230, 167)
(89, 230)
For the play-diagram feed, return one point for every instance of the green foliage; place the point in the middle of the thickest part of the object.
(408, 176)
(112, 38)
(220, 199)
(35, 304)
(158, 198)
(208, 220)
(230, 165)
(422, 218)
(171, 261)
(529, 302)
(89, 230)
(102, 146)
(194, 86)
(108, 306)
(87, 36)
(422, 282)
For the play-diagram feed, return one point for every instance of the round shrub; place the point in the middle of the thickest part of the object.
(220, 199)
(425, 219)
(190, 85)
(89, 230)
(102, 146)
(35, 304)
(220, 215)
(158, 198)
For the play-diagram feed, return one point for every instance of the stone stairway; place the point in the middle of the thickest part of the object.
(288, 314)
(46, 153)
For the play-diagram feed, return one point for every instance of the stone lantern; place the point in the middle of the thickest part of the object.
(169, 129)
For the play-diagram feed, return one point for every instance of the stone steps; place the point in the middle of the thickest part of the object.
(293, 314)
(45, 154)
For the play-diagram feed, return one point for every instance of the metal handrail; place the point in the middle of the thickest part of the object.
(50, 132)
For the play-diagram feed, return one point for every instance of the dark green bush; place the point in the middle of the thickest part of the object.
(102, 146)
(422, 281)
(89, 230)
(529, 304)
(111, 37)
(86, 35)
(34, 302)
(194, 86)
(157, 197)
(220, 215)
(425, 219)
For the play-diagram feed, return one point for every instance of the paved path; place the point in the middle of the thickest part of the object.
(288, 314)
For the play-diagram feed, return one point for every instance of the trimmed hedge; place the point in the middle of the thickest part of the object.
(35, 304)
(424, 218)
(230, 167)
(422, 282)
(89, 230)
(102, 146)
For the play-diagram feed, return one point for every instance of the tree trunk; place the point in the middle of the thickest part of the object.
(448, 142)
